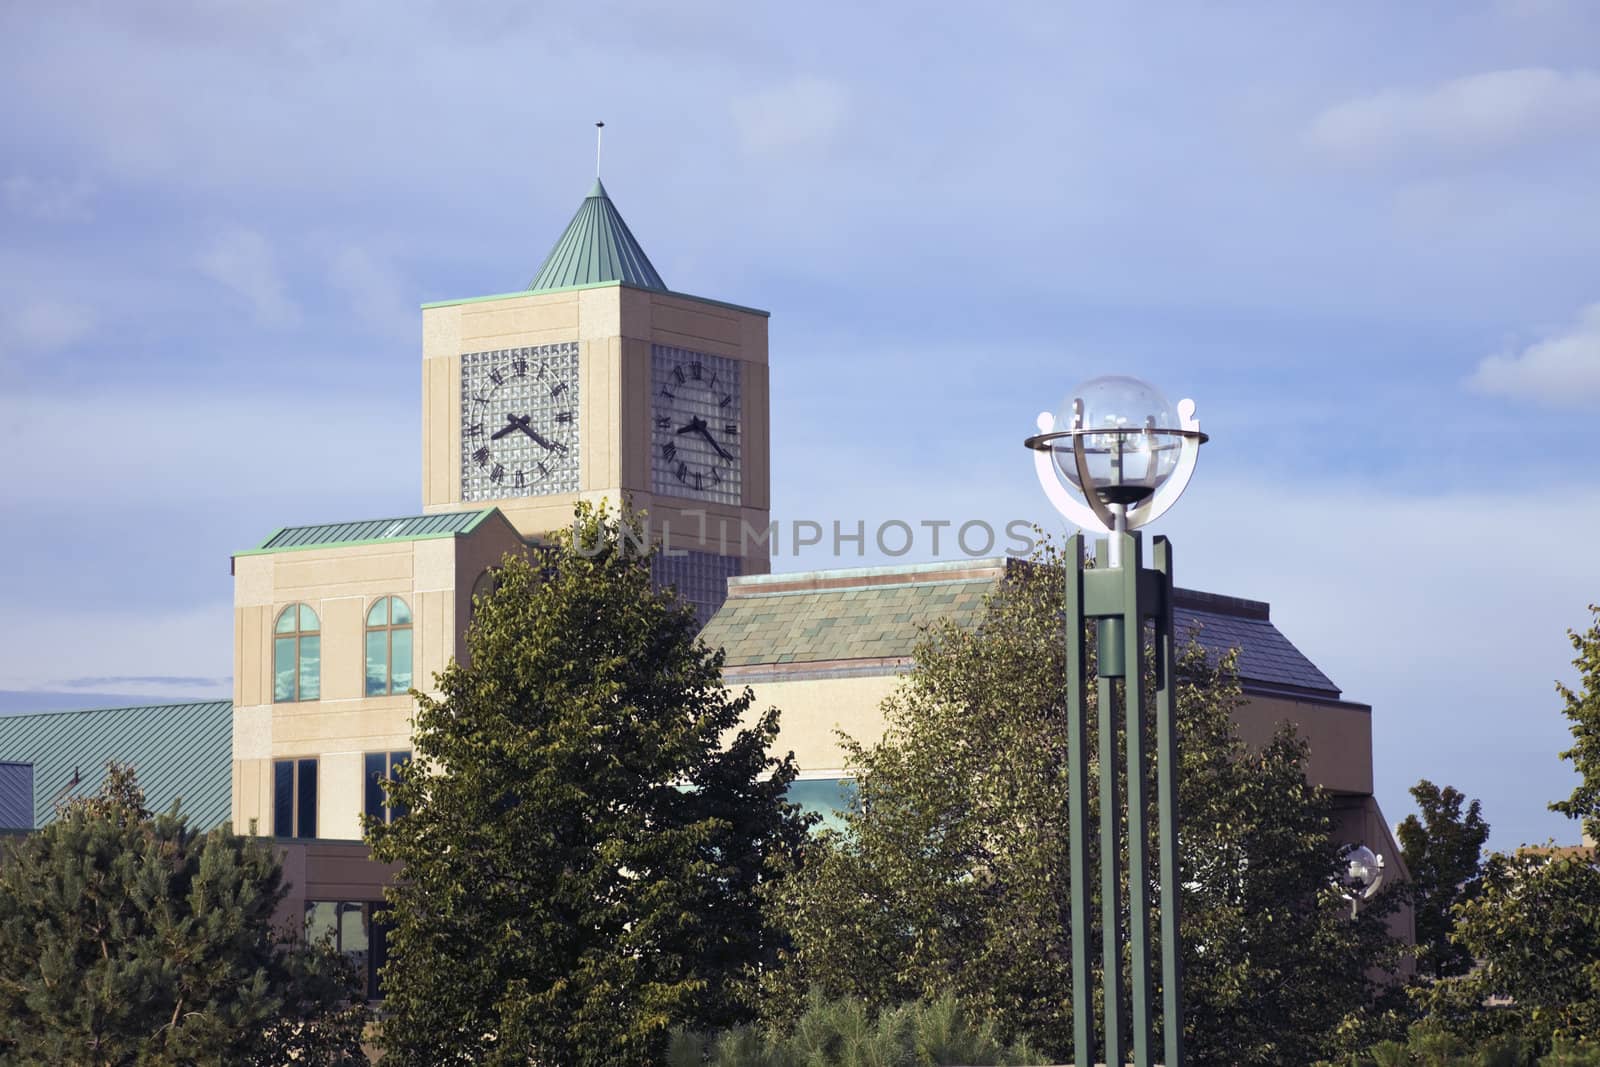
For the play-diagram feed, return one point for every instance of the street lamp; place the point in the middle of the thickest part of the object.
(1363, 876)
(1127, 455)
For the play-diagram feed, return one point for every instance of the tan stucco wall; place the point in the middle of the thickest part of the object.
(615, 327)
(1339, 736)
(812, 710)
(434, 577)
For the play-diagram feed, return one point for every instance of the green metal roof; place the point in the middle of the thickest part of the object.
(372, 531)
(597, 247)
(866, 622)
(179, 751)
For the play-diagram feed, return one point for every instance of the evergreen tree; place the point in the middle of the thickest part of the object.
(590, 815)
(952, 873)
(1583, 712)
(1443, 851)
(128, 938)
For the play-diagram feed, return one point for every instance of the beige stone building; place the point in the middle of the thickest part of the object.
(597, 382)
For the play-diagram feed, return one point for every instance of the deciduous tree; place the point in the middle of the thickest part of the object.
(1443, 850)
(590, 816)
(952, 873)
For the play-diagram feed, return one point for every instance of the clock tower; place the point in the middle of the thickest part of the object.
(598, 382)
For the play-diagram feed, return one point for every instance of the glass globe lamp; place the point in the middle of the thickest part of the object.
(1130, 438)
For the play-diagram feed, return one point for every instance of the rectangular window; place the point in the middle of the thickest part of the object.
(401, 672)
(355, 928)
(378, 662)
(283, 668)
(294, 798)
(379, 766)
(310, 668)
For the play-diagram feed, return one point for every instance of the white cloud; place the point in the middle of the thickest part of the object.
(187, 653)
(48, 200)
(375, 292)
(803, 114)
(1562, 370)
(44, 325)
(1479, 114)
(242, 260)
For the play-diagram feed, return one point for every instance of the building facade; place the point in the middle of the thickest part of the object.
(597, 383)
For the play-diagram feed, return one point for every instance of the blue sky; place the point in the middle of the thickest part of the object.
(1361, 236)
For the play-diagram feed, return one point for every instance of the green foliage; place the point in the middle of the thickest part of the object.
(845, 1033)
(1583, 712)
(127, 938)
(591, 815)
(953, 871)
(1443, 851)
(1535, 930)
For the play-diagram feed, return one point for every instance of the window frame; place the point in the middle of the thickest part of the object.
(298, 815)
(387, 628)
(370, 787)
(299, 635)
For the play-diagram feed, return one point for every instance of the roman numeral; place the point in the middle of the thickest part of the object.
(668, 393)
(541, 369)
(716, 476)
(557, 389)
(497, 473)
(519, 367)
(694, 371)
(564, 417)
(698, 479)
(559, 447)
(520, 479)
(731, 430)
(712, 384)
(475, 430)
(544, 472)
(669, 451)
(480, 399)
(496, 377)
(677, 372)
(663, 422)
(725, 401)
(682, 472)
(481, 456)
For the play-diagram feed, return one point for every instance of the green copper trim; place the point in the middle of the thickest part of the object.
(267, 547)
(598, 285)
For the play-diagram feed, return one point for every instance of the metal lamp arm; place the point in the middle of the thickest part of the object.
(1072, 509)
(1172, 489)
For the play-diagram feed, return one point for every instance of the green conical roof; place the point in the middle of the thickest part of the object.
(597, 247)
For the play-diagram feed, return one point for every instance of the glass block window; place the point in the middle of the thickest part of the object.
(380, 767)
(701, 578)
(696, 424)
(388, 647)
(520, 417)
(296, 655)
(294, 798)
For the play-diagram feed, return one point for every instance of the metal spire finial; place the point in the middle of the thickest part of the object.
(599, 129)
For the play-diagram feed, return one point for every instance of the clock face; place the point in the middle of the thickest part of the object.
(519, 422)
(696, 425)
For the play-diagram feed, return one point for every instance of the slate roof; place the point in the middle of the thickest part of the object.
(178, 751)
(596, 248)
(879, 614)
(371, 531)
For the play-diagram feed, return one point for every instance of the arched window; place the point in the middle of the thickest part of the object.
(297, 655)
(485, 585)
(388, 647)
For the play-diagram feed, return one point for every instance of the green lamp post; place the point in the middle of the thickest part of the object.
(1114, 459)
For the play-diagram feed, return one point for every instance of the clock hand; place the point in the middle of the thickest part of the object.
(548, 446)
(712, 441)
(513, 424)
(694, 425)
